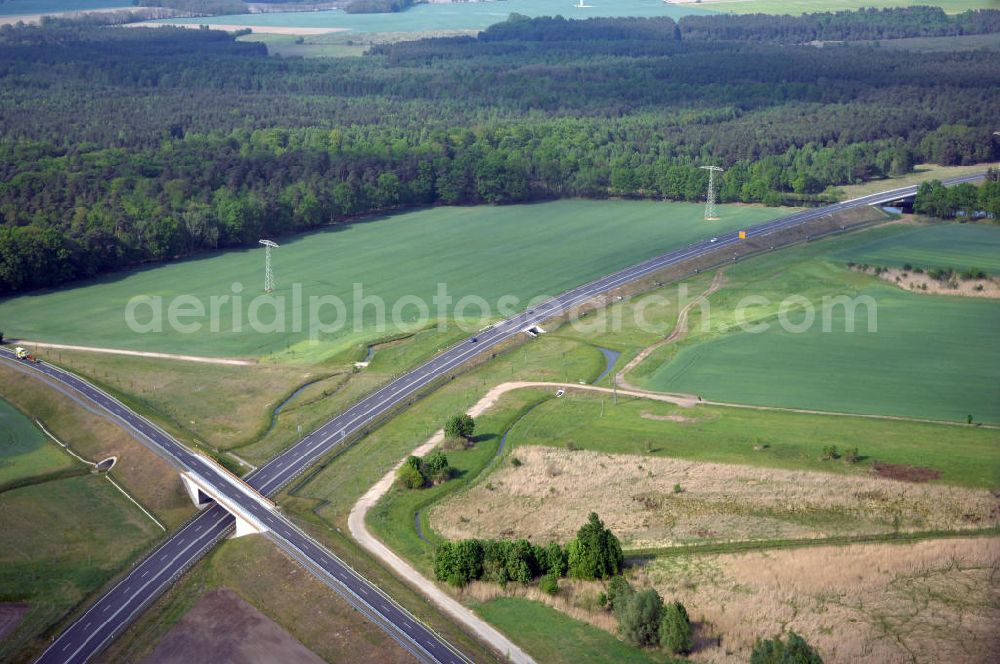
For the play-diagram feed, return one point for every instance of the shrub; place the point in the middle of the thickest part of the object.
(514, 461)
(796, 651)
(639, 618)
(851, 455)
(435, 467)
(595, 553)
(459, 562)
(549, 584)
(678, 488)
(619, 592)
(675, 629)
(460, 426)
(409, 476)
(830, 453)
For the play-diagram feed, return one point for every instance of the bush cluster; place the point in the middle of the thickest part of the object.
(645, 621)
(595, 553)
(417, 472)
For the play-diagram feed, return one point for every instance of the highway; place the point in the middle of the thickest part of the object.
(116, 609)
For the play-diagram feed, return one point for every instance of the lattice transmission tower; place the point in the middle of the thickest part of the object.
(268, 273)
(710, 201)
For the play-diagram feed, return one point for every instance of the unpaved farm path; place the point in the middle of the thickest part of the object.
(680, 329)
(359, 529)
(136, 353)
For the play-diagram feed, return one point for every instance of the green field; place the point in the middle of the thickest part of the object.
(24, 450)
(61, 541)
(524, 251)
(553, 637)
(958, 246)
(930, 357)
(810, 6)
(453, 16)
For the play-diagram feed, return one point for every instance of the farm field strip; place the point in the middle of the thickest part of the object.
(467, 249)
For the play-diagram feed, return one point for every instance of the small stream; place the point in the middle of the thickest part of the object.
(281, 406)
(610, 357)
(370, 355)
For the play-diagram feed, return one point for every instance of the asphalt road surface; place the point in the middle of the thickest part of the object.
(115, 610)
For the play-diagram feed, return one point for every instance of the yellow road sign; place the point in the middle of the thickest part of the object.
(743, 235)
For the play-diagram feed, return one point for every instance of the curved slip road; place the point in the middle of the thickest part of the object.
(115, 610)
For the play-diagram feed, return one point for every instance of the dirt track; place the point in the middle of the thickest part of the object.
(680, 329)
(135, 353)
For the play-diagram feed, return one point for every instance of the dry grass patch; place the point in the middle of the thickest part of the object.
(223, 406)
(936, 601)
(553, 490)
(921, 282)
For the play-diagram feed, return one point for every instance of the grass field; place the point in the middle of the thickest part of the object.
(557, 245)
(957, 246)
(550, 636)
(930, 357)
(24, 450)
(965, 456)
(61, 541)
(810, 6)
(452, 16)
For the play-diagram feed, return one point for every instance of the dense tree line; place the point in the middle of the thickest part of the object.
(595, 553)
(965, 200)
(865, 24)
(123, 146)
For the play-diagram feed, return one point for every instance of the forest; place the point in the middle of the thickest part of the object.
(127, 146)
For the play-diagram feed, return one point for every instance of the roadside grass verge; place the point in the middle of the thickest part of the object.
(921, 172)
(262, 575)
(551, 636)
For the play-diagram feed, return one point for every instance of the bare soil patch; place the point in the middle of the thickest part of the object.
(905, 473)
(222, 627)
(10, 616)
(681, 419)
(549, 495)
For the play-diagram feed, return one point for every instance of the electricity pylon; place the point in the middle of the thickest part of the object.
(268, 274)
(710, 201)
